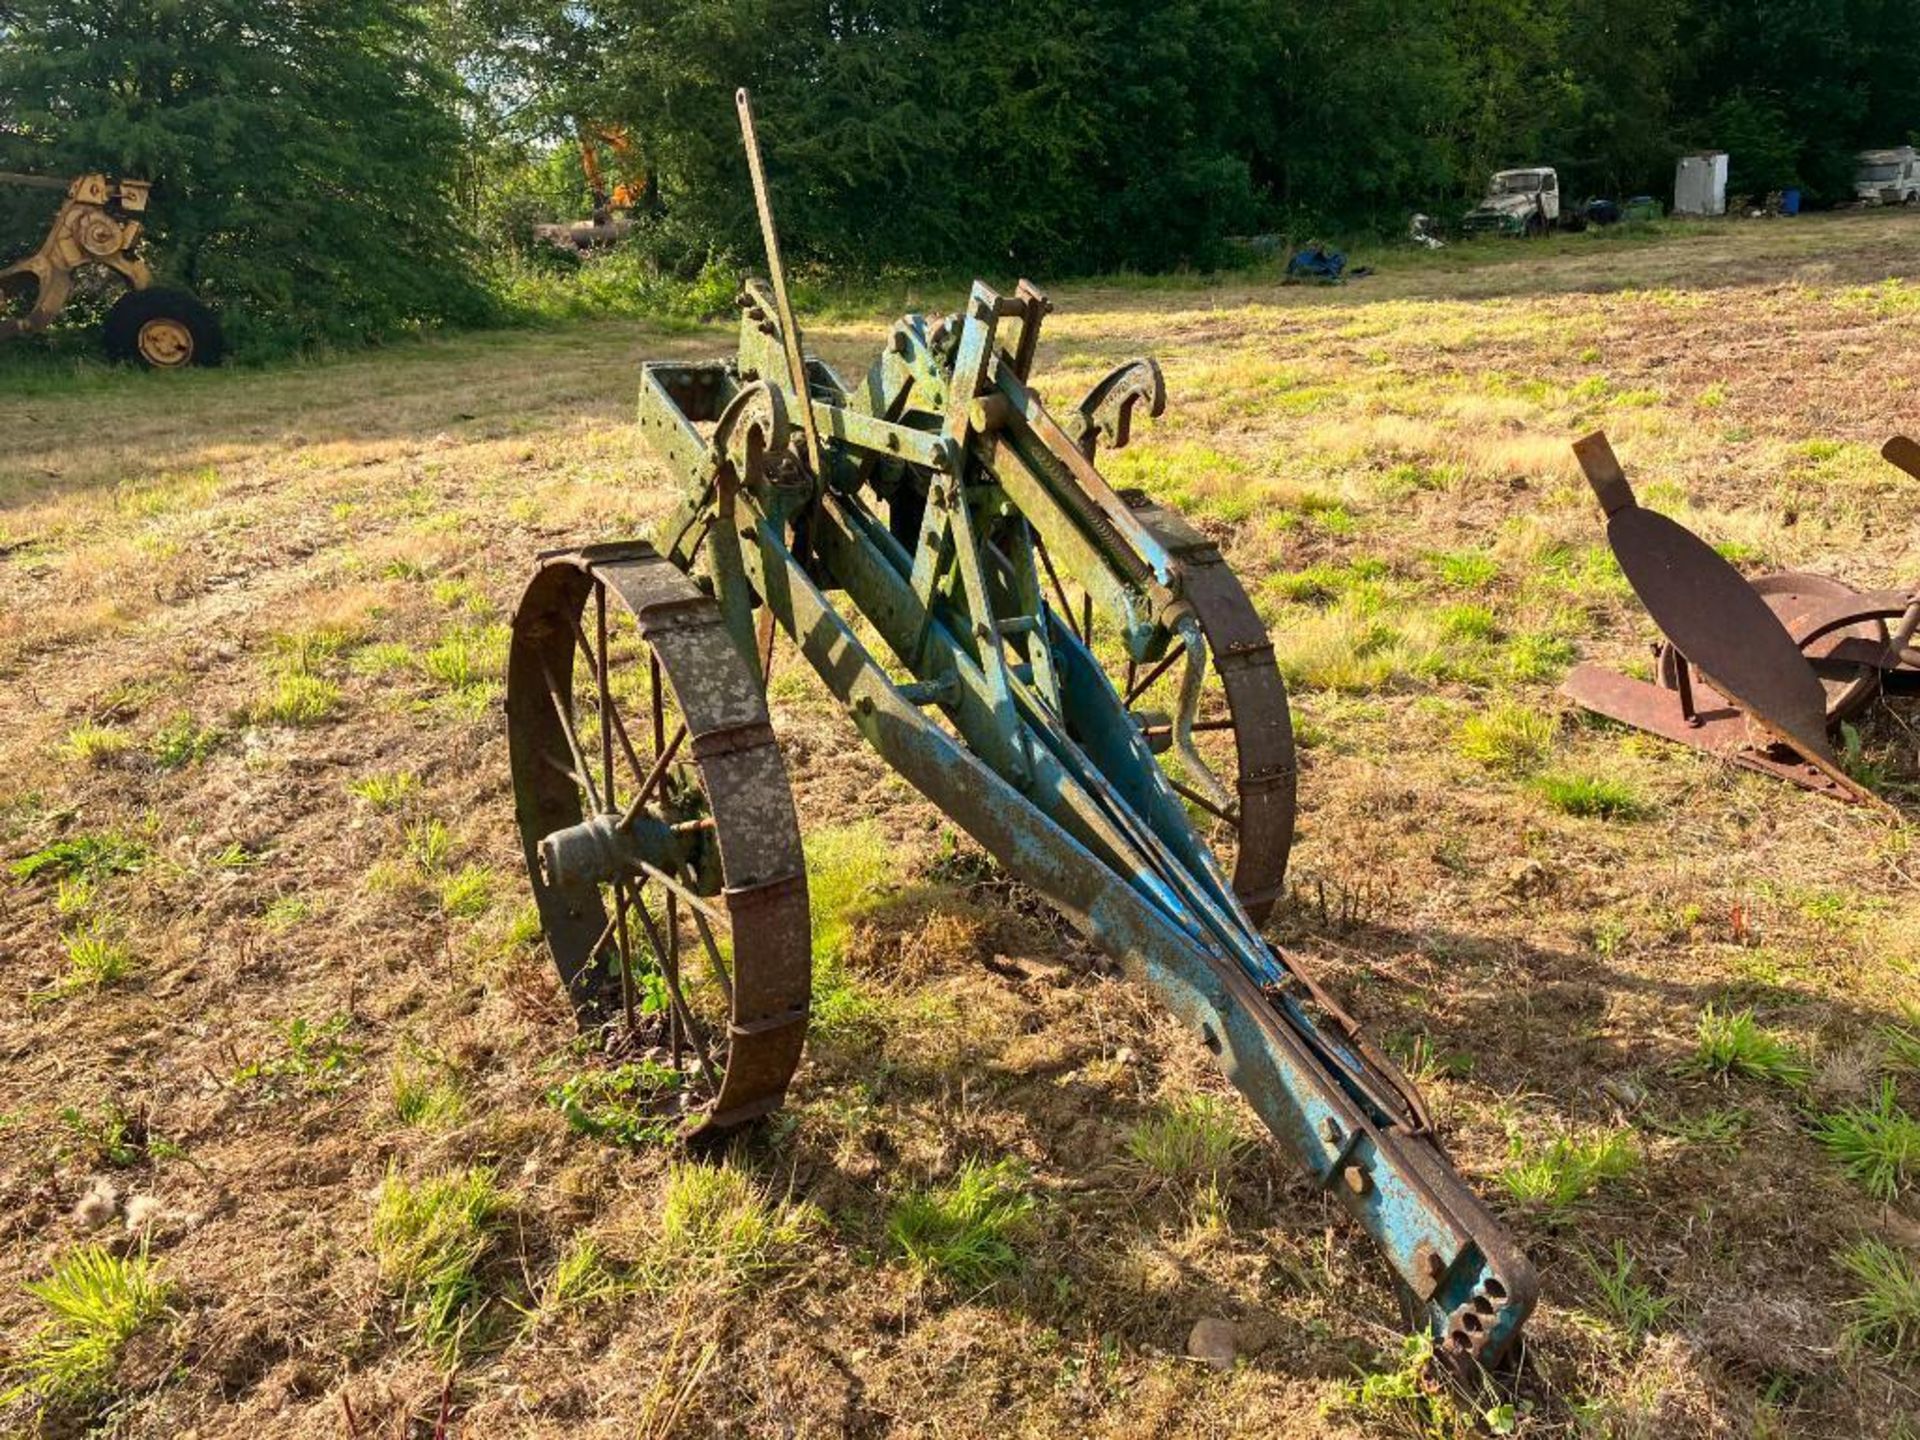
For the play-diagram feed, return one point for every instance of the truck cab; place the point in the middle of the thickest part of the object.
(1517, 202)
(1888, 177)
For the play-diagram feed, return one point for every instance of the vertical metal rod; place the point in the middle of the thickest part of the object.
(606, 703)
(613, 713)
(1683, 674)
(777, 270)
(670, 961)
(626, 957)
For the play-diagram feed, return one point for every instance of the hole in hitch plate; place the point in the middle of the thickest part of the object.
(1209, 1038)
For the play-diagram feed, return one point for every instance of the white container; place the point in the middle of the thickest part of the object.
(1700, 184)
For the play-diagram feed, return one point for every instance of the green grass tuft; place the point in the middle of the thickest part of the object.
(96, 958)
(1467, 569)
(98, 1302)
(1592, 797)
(426, 1097)
(430, 844)
(717, 1220)
(1901, 1043)
(95, 745)
(467, 892)
(85, 857)
(1734, 1044)
(1886, 1312)
(1568, 1170)
(1196, 1139)
(304, 652)
(580, 1279)
(962, 1232)
(1630, 1304)
(469, 659)
(1510, 737)
(299, 699)
(1467, 621)
(1533, 657)
(386, 792)
(181, 742)
(1878, 1144)
(430, 1240)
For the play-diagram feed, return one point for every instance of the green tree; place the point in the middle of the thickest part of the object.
(1781, 86)
(1615, 135)
(304, 152)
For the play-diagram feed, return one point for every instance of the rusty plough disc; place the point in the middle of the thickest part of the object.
(1755, 672)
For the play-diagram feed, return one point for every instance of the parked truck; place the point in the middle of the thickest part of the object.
(1518, 202)
(1888, 177)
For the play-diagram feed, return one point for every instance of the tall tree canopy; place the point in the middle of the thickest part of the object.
(1075, 134)
(304, 152)
(346, 168)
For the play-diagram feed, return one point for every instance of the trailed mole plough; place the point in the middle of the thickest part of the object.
(1019, 641)
(1756, 672)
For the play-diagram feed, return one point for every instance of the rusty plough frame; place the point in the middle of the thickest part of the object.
(1757, 673)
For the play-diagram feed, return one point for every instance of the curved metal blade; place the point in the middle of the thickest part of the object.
(1710, 613)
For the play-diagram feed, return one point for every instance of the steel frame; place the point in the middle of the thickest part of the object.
(992, 706)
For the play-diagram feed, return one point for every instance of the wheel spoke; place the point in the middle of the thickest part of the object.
(573, 739)
(609, 711)
(701, 905)
(1205, 804)
(714, 962)
(670, 962)
(1136, 690)
(566, 770)
(626, 956)
(659, 706)
(655, 775)
(696, 1038)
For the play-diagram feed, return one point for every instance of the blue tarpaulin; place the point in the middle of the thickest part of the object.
(1316, 262)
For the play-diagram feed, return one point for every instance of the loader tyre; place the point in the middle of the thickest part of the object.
(163, 330)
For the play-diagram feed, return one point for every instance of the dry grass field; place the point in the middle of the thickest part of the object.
(297, 1140)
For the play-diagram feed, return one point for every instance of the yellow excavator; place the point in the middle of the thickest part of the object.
(100, 224)
(612, 204)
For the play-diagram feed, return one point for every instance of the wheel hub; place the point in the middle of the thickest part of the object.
(607, 847)
(165, 343)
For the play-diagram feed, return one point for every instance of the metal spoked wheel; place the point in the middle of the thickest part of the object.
(659, 832)
(1245, 729)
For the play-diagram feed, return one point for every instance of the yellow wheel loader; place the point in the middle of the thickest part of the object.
(100, 224)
